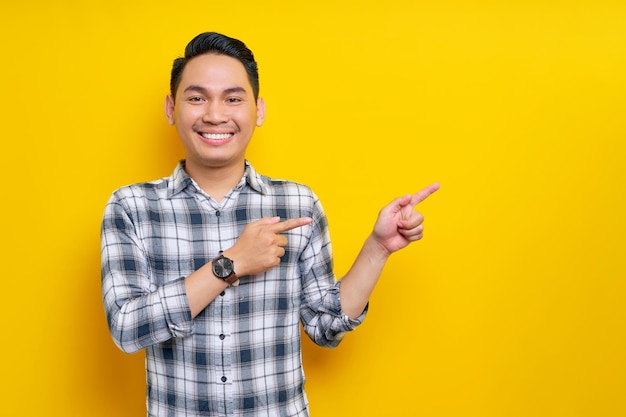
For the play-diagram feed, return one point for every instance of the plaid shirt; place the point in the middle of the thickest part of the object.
(241, 356)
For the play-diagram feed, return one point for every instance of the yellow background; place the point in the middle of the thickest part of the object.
(513, 304)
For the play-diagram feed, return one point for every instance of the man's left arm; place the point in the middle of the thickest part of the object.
(397, 225)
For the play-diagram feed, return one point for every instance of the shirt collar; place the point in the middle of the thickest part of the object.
(255, 180)
(179, 180)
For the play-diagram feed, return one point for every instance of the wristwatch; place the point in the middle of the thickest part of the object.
(224, 268)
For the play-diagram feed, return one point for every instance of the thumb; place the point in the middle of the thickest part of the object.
(270, 220)
(395, 207)
(400, 202)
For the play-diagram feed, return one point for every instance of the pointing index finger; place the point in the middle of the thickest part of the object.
(291, 224)
(420, 196)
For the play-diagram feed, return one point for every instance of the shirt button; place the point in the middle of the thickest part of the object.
(217, 213)
(223, 293)
(224, 379)
(222, 337)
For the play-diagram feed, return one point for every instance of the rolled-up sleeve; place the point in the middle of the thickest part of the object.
(322, 317)
(139, 313)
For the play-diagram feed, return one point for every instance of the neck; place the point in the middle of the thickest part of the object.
(216, 181)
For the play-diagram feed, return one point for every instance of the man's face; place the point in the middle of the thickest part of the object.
(215, 112)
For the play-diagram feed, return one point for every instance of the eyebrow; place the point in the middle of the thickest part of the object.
(202, 90)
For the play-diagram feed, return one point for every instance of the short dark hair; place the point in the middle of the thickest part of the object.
(216, 43)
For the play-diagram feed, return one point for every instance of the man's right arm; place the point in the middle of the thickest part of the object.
(140, 315)
(258, 249)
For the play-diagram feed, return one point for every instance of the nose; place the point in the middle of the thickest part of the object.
(215, 112)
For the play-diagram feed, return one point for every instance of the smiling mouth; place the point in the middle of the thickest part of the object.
(216, 136)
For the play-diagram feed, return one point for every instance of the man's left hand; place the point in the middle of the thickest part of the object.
(398, 224)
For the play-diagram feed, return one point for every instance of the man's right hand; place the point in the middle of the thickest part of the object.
(262, 244)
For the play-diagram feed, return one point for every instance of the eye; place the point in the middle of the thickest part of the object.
(195, 99)
(233, 100)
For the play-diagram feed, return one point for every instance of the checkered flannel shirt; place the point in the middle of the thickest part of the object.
(241, 356)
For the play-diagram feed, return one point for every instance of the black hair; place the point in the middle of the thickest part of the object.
(216, 43)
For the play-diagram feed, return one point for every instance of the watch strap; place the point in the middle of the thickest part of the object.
(232, 279)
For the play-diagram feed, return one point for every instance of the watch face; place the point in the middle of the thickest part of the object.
(222, 267)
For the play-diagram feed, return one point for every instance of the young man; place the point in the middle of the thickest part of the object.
(212, 269)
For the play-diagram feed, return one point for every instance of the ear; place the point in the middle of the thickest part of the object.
(260, 111)
(169, 109)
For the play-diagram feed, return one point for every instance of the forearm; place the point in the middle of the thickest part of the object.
(202, 287)
(358, 284)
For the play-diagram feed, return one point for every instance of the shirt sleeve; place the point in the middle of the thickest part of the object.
(322, 317)
(139, 313)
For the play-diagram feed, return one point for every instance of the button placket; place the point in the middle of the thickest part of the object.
(223, 342)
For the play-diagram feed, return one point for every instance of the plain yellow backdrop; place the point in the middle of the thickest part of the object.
(512, 305)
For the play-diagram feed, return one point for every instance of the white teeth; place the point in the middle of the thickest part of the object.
(216, 136)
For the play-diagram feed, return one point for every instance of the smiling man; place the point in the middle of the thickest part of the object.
(212, 269)
(215, 111)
